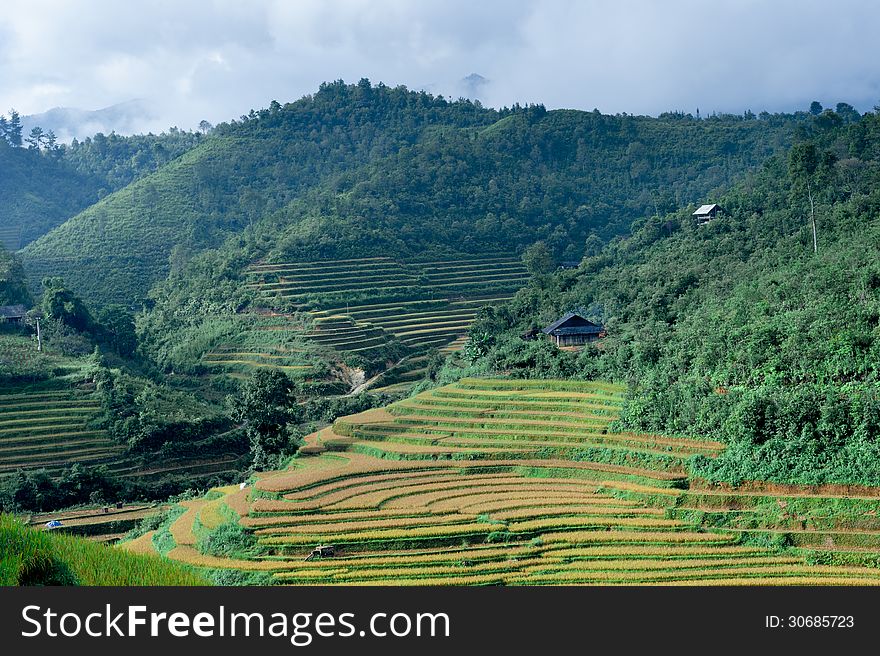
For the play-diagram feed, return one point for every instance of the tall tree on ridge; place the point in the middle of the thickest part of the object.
(807, 167)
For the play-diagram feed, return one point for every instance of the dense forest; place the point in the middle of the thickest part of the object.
(370, 169)
(745, 329)
(44, 183)
(38, 192)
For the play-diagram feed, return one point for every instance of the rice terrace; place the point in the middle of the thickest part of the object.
(506, 482)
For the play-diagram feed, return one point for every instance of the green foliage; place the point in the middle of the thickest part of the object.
(13, 283)
(478, 345)
(736, 330)
(538, 258)
(537, 358)
(117, 329)
(228, 540)
(33, 557)
(163, 541)
(62, 305)
(353, 171)
(151, 418)
(238, 577)
(326, 410)
(147, 524)
(266, 405)
(37, 491)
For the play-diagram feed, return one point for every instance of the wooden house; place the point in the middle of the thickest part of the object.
(573, 330)
(706, 213)
(13, 314)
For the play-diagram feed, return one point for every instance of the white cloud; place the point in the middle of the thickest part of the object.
(216, 59)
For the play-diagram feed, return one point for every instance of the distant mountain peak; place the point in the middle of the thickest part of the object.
(70, 123)
(474, 86)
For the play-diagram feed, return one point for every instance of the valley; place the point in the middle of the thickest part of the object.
(444, 344)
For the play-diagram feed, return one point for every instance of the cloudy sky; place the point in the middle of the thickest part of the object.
(216, 59)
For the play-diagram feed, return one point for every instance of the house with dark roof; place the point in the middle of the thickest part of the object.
(12, 313)
(573, 330)
(706, 213)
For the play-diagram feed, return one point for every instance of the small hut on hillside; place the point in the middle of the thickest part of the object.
(706, 213)
(573, 330)
(12, 314)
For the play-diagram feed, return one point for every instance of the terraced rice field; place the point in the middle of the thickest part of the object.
(10, 237)
(54, 429)
(51, 430)
(234, 357)
(265, 339)
(490, 482)
(97, 523)
(427, 304)
(276, 340)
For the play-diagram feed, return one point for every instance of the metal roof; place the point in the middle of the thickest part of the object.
(12, 311)
(703, 210)
(554, 328)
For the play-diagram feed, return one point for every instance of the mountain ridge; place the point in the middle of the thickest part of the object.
(360, 159)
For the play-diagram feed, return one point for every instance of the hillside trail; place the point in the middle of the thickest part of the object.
(367, 383)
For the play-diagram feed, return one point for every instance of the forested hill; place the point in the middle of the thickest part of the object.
(363, 169)
(37, 193)
(42, 185)
(739, 330)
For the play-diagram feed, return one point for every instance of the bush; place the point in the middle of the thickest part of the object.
(228, 540)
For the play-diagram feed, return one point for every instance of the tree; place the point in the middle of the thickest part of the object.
(13, 282)
(63, 305)
(12, 129)
(117, 329)
(266, 406)
(847, 112)
(204, 126)
(593, 245)
(815, 108)
(51, 141)
(35, 140)
(538, 259)
(807, 166)
(478, 345)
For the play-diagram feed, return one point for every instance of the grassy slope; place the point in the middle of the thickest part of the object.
(127, 236)
(32, 557)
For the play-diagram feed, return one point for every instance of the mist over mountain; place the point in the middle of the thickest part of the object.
(69, 123)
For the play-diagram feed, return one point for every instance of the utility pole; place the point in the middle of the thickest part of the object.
(813, 218)
(39, 336)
